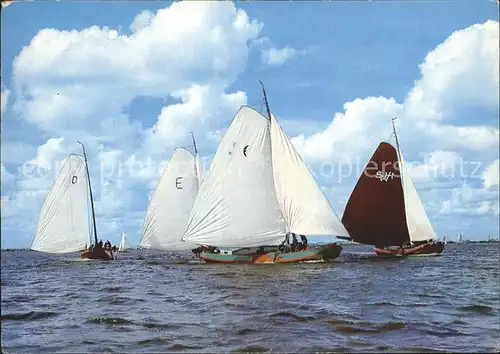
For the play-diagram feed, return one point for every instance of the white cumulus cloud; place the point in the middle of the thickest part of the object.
(277, 57)
(73, 79)
(76, 85)
(491, 176)
(4, 100)
(461, 70)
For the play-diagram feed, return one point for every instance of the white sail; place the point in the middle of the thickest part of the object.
(63, 224)
(419, 225)
(305, 207)
(237, 205)
(199, 170)
(123, 243)
(170, 205)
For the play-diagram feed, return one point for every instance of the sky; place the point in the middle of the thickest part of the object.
(132, 79)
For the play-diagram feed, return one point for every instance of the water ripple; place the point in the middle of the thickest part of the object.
(152, 302)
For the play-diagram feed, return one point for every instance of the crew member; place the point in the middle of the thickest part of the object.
(303, 238)
(294, 242)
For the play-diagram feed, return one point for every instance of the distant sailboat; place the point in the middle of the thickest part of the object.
(63, 223)
(256, 191)
(171, 203)
(124, 247)
(385, 210)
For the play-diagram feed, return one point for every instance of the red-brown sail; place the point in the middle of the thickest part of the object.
(375, 212)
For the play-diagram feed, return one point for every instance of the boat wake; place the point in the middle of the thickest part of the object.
(425, 255)
(195, 261)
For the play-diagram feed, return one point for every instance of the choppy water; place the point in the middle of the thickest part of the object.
(150, 303)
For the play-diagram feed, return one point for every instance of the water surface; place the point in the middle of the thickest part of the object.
(150, 302)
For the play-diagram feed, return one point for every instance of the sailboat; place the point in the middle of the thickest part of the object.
(63, 223)
(256, 193)
(384, 208)
(171, 203)
(123, 247)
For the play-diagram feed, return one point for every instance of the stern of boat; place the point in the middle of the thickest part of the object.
(330, 251)
(99, 254)
(426, 249)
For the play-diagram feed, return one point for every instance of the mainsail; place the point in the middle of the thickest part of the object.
(171, 203)
(384, 208)
(237, 205)
(63, 223)
(123, 243)
(257, 189)
(375, 211)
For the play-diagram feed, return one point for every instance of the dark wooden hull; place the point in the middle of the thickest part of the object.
(100, 254)
(324, 253)
(419, 250)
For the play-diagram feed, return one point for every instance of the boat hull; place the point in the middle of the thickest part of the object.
(100, 254)
(325, 253)
(426, 249)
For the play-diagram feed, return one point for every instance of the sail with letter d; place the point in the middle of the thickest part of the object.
(63, 223)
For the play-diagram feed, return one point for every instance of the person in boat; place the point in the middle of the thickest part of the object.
(303, 243)
(99, 244)
(285, 246)
(295, 243)
(211, 249)
(107, 245)
(287, 239)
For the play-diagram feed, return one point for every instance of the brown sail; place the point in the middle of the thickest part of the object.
(375, 211)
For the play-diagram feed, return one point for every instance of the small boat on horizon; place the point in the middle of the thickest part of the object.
(255, 193)
(384, 208)
(63, 222)
(124, 246)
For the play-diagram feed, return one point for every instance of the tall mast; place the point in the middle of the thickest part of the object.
(195, 164)
(269, 133)
(395, 134)
(265, 100)
(90, 190)
(194, 143)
